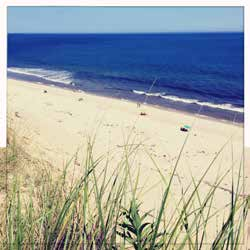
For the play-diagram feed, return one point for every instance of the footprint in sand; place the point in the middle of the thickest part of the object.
(48, 104)
(25, 139)
(65, 112)
(109, 125)
(17, 114)
(37, 132)
(201, 152)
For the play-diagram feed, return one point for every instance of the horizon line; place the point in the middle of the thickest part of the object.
(132, 32)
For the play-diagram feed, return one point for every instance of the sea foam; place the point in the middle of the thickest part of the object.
(225, 106)
(59, 76)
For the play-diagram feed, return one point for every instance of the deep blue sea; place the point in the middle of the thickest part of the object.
(195, 72)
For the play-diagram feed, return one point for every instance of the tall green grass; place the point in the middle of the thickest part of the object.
(102, 208)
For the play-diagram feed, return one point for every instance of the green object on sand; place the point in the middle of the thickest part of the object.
(187, 126)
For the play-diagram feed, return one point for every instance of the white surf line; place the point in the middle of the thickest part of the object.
(149, 91)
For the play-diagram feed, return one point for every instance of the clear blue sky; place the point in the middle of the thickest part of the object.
(123, 19)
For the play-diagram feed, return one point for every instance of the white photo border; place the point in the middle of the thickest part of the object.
(212, 3)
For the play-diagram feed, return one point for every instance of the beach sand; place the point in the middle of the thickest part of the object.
(54, 123)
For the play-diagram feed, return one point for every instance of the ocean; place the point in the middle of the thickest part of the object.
(201, 73)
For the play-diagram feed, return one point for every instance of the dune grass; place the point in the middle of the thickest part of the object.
(99, 210)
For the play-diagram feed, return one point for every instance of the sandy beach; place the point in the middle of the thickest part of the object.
(54, 123)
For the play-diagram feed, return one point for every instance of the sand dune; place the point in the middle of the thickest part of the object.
(54, 123)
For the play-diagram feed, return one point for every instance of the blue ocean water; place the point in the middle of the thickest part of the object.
(195, 72)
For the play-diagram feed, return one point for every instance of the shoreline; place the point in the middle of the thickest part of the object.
(169, 109)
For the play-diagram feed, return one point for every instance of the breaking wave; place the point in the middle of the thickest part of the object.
(50, 75)
(225, 106)
(159, 94)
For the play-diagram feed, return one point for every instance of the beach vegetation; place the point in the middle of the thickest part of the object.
(103, 209)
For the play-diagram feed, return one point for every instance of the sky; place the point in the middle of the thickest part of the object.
(124, 19)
